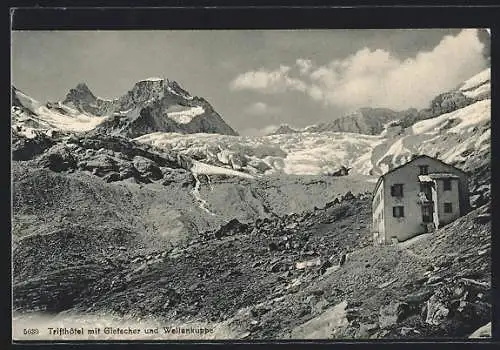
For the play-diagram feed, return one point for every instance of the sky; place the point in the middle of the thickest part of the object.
(257, 79)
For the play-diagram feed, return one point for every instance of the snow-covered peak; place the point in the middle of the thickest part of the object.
(151, 104)
(153, 79)
(29, 115)
(24, 100)
(477, 80)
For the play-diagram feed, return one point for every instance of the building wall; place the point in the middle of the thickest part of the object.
(435, 199)
(447, 197)
(378, 216)
(410, 224)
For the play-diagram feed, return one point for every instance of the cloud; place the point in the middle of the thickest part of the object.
(272, 81)
(261, 108)
(304, 65)
(377, 78)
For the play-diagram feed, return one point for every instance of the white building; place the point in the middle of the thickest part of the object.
(417, 197)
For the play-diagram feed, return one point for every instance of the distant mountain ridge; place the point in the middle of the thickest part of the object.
(368, 121)
(152, 105)
(372, 121)
(454, 128)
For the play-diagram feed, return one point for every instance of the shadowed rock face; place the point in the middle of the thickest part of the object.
(146, 108)
(82, 99)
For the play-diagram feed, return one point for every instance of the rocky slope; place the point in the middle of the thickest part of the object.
(272, 279)
(109, 174)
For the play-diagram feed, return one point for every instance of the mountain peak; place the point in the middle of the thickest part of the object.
(152, 79)
(80, 93)
(283, 129)
(82, 86)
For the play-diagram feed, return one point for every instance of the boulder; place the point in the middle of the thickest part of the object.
(343, 171)
(477, 200)
(232, 227)
(366, 330)
(260, 165)
(325, 266)
(437, 310)
(348, 196)
(58, 158)
(177, 176)
(308, 263)
(24, 148)
(392, 313)
(127, 170)
(277, 266)
(100, 165)
(223, 156)
(112, 177)
(237, 161)
(259, 311)
(408, 332)
(147, 168)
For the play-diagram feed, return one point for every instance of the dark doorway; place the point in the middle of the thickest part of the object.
(426, 188)
(427, 211)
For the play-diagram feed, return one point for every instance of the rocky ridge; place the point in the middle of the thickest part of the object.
(151, 105)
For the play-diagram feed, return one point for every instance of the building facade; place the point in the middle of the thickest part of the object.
(417, 197)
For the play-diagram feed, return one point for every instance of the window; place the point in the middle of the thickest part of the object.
(448, 208)
(447, 185)
(397, 190)
(424, 169)
(398, 212)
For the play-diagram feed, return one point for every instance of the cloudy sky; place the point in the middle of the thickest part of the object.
(257, 79)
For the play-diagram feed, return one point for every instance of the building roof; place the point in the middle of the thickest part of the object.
(443, 176)
(424, 178)
(415, 158)
(431, 177)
